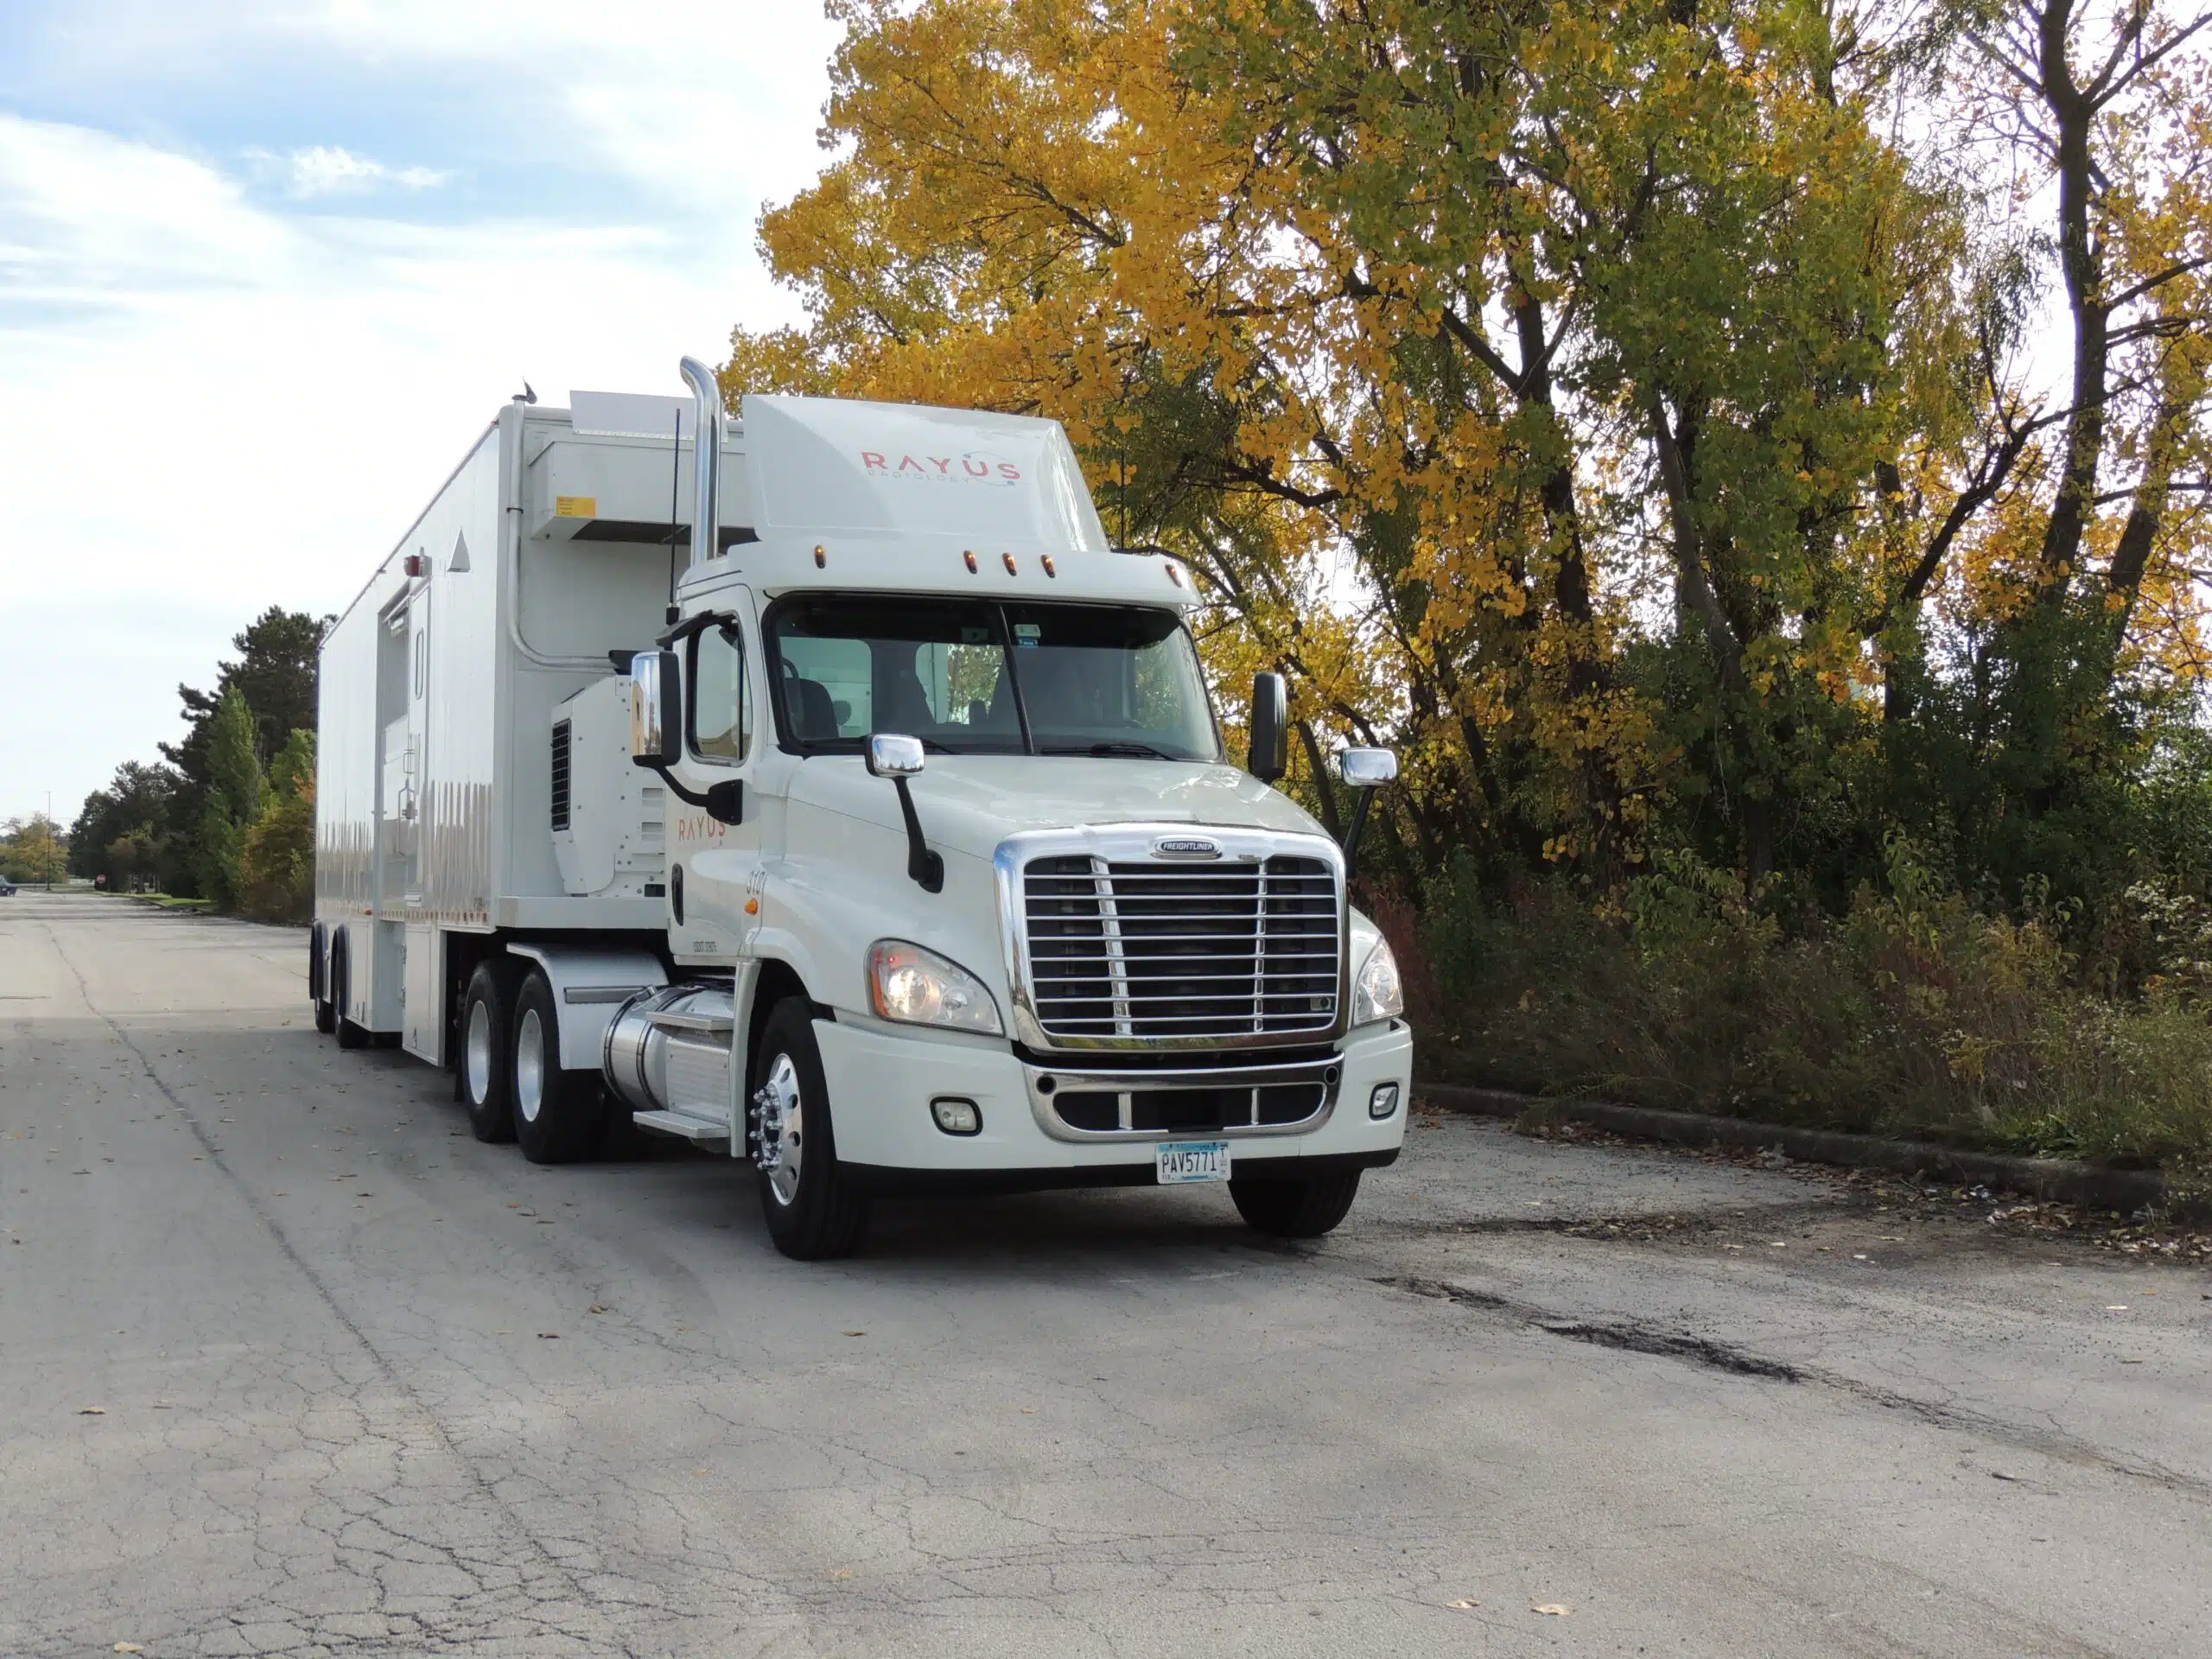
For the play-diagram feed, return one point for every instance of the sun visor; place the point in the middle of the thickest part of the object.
(830, 467)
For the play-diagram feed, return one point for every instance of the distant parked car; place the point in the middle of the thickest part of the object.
(7, 888)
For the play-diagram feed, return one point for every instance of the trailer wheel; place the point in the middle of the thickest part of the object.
(482, 1072)
(556, 1113)
(812, 1210)
(326, 1011)
(1297, 1206)
(341, 992)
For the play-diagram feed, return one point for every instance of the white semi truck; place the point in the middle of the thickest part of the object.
(888, 844)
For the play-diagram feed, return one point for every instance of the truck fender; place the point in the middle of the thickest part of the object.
(588, 986)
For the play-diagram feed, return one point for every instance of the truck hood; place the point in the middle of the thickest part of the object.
(970, 803)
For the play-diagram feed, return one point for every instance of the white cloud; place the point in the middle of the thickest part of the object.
(329, 170)
(210, 402)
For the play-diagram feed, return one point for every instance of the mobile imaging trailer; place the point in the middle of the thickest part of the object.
(882, 838)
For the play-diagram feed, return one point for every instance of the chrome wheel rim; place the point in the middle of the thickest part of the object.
(779, 1129)
(476, 1052)
(529, 1066)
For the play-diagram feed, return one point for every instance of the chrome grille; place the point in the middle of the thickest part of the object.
(1155, 951)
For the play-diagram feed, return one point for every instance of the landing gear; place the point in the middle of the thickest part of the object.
(326, 1010)
(812, 1210)
(341, 975)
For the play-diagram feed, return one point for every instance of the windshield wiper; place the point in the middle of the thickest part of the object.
(1143, 751)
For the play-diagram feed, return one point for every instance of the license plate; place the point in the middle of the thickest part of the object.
(1192, 1160)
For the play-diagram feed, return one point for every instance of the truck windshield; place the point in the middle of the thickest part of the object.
(981, 677)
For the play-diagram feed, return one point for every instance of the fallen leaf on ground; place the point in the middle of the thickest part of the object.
(92, 1411)
(2116, 1307)
(856, 1333)
(1552, 1609)
(548, 1335)
(1465, 1604)
(841, 1571)
(127, 1647)
(596, 1308)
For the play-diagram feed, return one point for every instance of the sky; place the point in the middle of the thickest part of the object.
(267, 268)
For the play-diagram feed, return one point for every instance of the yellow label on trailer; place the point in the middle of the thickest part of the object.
(575, 506)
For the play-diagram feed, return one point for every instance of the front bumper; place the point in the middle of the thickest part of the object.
(881, 1084)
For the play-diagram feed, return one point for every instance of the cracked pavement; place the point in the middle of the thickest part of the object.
(290, 1365)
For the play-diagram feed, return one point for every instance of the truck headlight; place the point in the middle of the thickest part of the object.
(1377, 994)
(919, 987)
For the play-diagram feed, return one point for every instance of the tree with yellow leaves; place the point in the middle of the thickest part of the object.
(1606, 407)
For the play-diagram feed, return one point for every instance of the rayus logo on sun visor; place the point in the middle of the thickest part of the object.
(972, 466)
(1186, 846)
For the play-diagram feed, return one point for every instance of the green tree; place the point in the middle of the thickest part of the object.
(232, 799)
(275, 672)
(31, 849)
(133, 812)
(276, 856)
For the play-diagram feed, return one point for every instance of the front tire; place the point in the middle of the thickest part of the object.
(556, 1113)
(813, 1211)
(482, 1072)
(1297, 1206)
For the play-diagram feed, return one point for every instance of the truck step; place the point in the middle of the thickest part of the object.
(714, 1025)
(702, 1131)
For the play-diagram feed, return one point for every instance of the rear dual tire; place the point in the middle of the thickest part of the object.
(483, 1073)
(556, 1113)
(509, 1074)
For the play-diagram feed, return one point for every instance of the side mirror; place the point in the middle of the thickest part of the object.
(1367, 768)
(1270, 755)
(898, 758)
(1366, 771)
(889, 755)
(655, 709)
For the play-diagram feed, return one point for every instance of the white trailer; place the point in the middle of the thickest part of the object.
(882, 838)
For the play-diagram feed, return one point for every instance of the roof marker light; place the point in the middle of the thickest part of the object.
(821, 559)
(1010, 567)
(1174, 576)
(971, 558)
(1047, 559)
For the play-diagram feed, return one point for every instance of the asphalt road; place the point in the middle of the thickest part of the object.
(290, 1364)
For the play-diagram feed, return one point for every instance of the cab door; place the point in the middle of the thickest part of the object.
(713, 866)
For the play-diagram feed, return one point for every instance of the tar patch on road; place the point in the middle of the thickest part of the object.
(1629, 1337)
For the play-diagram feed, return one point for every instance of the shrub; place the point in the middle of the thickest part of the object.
(1916, 1013)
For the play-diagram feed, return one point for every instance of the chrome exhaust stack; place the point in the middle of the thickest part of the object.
(707, 457)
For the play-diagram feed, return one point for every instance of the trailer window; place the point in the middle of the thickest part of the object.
(721, 695)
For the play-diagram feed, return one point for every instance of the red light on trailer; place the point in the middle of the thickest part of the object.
(1008, 558)
(820, 558)
(1047, 559)
(415, 564)
(971, 558)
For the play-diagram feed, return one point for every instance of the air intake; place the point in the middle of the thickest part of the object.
(560, 814)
